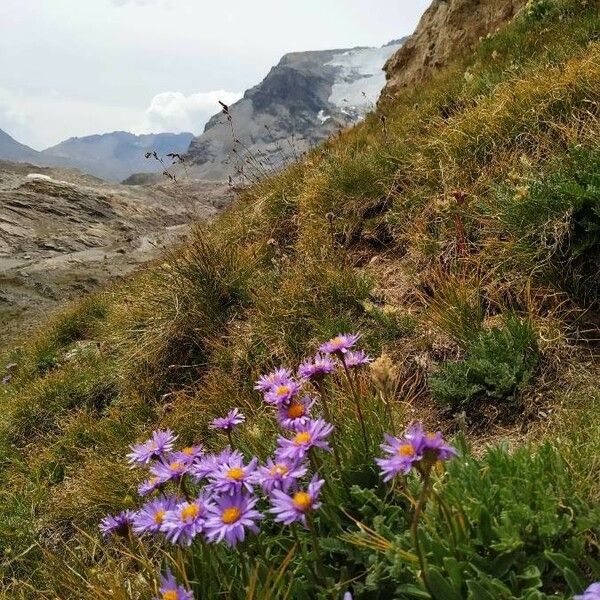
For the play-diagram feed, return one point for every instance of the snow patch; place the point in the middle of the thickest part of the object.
(360, 79)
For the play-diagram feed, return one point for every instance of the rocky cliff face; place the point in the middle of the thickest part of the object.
(448, 28)
(302, 101)
(63, 233)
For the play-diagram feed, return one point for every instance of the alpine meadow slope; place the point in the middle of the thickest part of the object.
(458, 230)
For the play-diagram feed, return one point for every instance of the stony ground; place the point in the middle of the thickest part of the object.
(63, 233)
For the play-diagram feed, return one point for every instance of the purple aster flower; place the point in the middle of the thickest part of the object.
(232, 476)
(295, 414)
(340, 344)
(402, 454)
(186, 520)
(266, 382)
(289, 509)
(431, 445)
(160, 442)
(356, 359)
(229, 518)
(316, 368)
(118, 524)
(278, 475)
(209, 463)
(311, 435)
(170, 590)
(151, 516)
(170, 468)
(282, 392)
(592, 593)
(188, 454)
(148, 486)
(234, 417)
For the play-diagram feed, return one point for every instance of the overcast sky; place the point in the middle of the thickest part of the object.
(78, 67)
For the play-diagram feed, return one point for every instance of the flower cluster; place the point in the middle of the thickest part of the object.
(416, 449)
(221, 497)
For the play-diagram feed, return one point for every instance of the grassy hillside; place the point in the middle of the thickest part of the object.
(458, 229)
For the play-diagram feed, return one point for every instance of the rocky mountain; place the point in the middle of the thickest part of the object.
(63, 232)
(447, 28)
(114, 156)
(305, 98)
(12, 150)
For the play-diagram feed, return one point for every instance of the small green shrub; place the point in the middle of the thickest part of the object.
(507, 526)
(498, 364)
(538, 10)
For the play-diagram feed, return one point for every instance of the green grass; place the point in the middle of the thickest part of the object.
(479, 201)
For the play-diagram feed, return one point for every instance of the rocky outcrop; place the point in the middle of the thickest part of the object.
(302, 101)
(63, 233)
(448, 28)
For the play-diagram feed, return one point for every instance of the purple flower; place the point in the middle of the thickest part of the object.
(340, 344)
(209, 463)
(155, 447)
(356, 359)
(151, 516)
(282, 392)
(229, 518)
(118, 524)
(232, 476)
(169, 590)
(266, 382)
(289, 509)
(189, 454)
(432, 445)
(402, 454)
(592, 593)
(417, 448)
(169, 468)
(295, 414)
(234, 417)
(316, 368)
(278, 475)
(148, 486)
(311, 435)
(186, 520)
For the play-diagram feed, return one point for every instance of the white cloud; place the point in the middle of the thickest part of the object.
(175, 112)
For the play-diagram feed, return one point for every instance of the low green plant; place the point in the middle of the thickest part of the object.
(497, 365)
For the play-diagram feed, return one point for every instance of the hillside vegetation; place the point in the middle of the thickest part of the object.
(457, 229)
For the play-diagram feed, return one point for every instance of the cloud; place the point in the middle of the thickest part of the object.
(166, 3)
(175, 112)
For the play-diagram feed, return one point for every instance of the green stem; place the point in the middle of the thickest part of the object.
(321, 389)
(357, 402)
(316, 548)
(230, 438)
(414, 528)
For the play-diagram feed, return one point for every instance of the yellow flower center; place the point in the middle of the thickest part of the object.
(279, 469)
(302, 501)
(236, 473)
(176, 466)
(231, 515)
(296, 410)
(406, 450)
(159, 515)
(302, 438)
(282, 390)
(170, 595)
(189, 451)
(191, 511)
